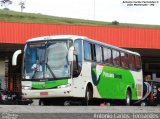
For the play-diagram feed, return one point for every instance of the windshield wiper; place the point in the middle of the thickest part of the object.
(34, 74)
(50, 70)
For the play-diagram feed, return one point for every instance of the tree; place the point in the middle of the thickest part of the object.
(5, 3)
(115, 22)
(22, 4)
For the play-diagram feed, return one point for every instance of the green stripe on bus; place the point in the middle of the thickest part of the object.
(49, 84)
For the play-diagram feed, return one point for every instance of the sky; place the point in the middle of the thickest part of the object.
(100, 10)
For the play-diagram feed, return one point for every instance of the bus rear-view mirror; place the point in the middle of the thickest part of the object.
(15, 56)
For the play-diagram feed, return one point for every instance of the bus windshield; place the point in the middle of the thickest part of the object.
(46, 60)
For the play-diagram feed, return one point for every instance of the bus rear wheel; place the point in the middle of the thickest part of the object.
(128, 98)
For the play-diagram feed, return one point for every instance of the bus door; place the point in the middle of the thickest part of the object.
(78, 81)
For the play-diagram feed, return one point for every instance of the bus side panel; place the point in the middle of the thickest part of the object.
(78, 87)
(112, 82)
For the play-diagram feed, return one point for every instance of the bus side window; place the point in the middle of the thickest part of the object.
(107, 55)
(87, 51)
(138, 62)
(98, 50)
(77, 65)
(116, 58)
(124, 60)
(131, 62)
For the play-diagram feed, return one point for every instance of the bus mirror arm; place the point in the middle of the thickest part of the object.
(15, 55)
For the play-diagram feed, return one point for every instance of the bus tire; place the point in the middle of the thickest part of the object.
(143, 103)
(88, 96)
(41, 102)
(67, 103)
(128, 98)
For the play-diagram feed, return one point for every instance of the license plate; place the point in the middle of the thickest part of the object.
(43, 93)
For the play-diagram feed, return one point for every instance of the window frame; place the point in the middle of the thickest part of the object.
(84, 42)
(127, 60)
(132, 62)
(108, 49)
(117, 65)
(140, 63)
(99, 52)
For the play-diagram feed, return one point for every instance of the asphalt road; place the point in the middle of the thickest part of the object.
(78, 109)
(78, 112)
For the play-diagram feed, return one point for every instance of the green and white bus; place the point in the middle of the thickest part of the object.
(76, 67)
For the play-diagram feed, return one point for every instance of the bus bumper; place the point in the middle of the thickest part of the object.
(49, 93)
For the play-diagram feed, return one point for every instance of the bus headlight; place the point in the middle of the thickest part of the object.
(64, 86)
(26, 87)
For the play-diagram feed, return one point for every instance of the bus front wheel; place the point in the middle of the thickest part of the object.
(41, 102)
(128, 98)
(88, 96)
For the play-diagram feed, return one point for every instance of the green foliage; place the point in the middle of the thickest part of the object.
(12, 16)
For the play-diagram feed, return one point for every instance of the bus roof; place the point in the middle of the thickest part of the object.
(43, 38)
(74, 37)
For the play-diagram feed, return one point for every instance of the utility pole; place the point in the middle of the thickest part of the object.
(94, 9)
(22, 4)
